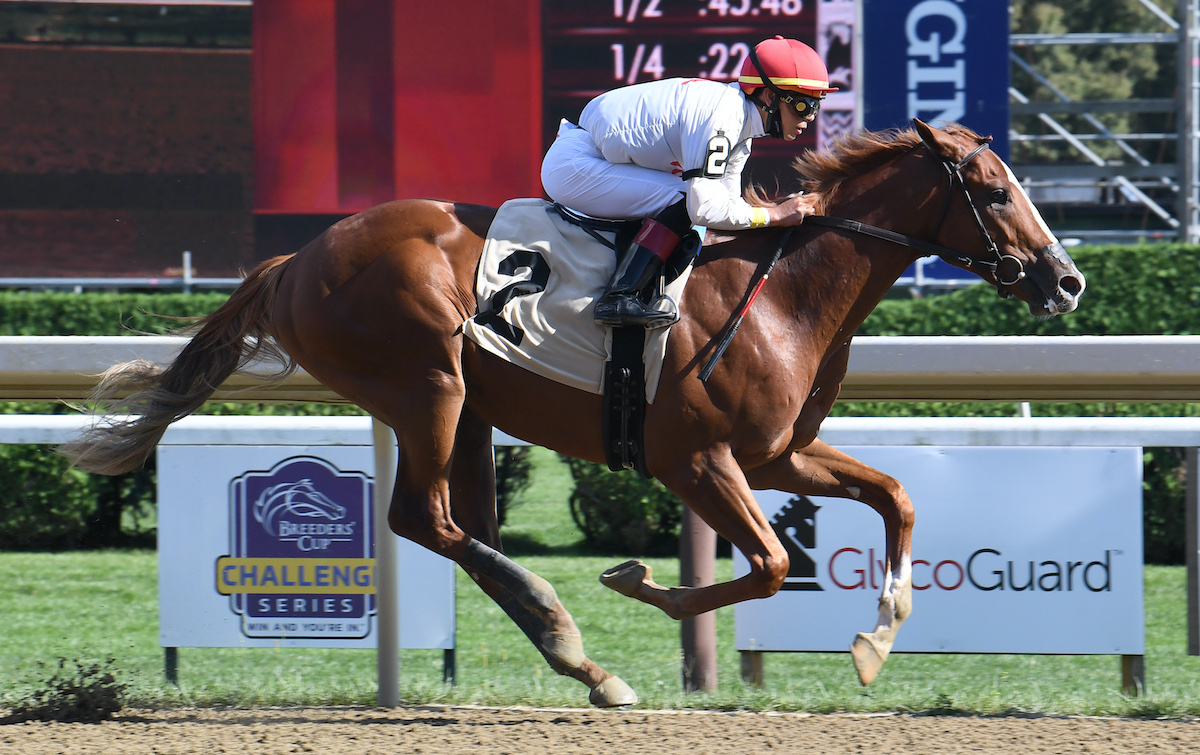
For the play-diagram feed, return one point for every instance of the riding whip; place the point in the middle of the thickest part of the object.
(719, 351)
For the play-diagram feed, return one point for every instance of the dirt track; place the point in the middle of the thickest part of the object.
(444, 730)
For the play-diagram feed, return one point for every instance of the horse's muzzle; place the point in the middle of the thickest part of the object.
(1070, 282)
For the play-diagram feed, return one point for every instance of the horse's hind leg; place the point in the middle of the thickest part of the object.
(528, 599)
(819, 469)
(713, 486)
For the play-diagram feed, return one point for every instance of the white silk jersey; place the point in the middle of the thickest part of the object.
(696, 129)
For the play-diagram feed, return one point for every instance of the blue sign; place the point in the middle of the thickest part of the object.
(302, 564)
(938, 60)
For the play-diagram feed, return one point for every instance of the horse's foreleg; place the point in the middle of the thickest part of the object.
(526, 598)
(819, 469)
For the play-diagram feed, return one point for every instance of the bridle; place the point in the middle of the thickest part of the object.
(975, 264)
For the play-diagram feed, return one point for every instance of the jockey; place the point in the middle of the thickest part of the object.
(672, 152)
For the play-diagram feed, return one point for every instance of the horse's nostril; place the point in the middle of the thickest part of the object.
(1071, 285)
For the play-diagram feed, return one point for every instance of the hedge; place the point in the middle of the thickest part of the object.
(1132, 290)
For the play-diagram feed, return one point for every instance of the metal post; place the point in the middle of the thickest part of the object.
(1191, 505)
(697, 568)
(187, 272)
(752, 667)
(387, 589)
(171, 665)
(1188, 158)
(1133, 675)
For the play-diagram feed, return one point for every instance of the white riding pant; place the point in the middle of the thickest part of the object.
(575, 174)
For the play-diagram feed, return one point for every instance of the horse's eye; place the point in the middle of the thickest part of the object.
(1000, 196)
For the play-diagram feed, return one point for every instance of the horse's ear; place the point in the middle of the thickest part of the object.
(929, 135)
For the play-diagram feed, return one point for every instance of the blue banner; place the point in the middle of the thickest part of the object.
(937, 60)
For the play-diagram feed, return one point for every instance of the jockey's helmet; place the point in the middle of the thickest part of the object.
(788, 64)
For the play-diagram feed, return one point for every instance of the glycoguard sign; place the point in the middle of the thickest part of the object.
(1016, 550)
(937, 60)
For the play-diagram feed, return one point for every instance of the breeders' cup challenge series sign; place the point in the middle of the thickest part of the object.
(273, 545)
(303, 550)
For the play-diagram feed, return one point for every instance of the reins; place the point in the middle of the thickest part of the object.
(954, 173)
(719, 351)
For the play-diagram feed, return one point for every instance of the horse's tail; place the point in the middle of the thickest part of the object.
(153, 397)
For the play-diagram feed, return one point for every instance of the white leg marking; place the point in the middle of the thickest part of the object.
(893, 585)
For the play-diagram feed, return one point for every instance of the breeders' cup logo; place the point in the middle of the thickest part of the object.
(302, 563)
(280, 504)
(796, 526)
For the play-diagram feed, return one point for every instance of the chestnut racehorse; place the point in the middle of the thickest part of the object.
(373, 308)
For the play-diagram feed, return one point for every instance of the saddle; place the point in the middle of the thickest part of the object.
(624, 410)
(542, 268)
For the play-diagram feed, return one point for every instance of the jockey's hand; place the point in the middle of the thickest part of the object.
(792, 210)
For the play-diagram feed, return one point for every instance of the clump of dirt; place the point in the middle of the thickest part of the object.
(77, 692)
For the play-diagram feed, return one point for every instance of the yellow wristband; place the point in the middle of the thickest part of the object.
(759, 217)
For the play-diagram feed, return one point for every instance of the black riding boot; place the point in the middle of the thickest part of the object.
(635, 280)
(622, 302)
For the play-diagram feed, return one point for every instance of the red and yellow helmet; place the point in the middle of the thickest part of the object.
(788, 64)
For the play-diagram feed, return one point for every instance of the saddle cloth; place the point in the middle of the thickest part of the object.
(537, 281)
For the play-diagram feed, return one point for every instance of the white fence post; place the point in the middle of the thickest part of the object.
(387, 591)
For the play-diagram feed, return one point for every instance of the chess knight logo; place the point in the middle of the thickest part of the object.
(796, 526)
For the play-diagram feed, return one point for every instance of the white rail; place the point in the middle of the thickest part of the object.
(53, 429)
(902, 368)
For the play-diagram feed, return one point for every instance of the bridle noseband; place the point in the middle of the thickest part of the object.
(975, 264)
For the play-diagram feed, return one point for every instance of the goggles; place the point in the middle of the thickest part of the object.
(802, 104)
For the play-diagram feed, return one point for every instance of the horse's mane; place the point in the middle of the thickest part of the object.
(823, 172)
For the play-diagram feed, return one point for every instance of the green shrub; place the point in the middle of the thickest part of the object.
(512, 477)
(1131, 290)
(43, 505)
(1163, 515)
(623, 514)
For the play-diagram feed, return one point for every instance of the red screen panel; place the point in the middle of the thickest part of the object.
(295, 107)
(361, 101)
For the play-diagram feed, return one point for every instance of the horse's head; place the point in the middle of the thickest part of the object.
(995, 229)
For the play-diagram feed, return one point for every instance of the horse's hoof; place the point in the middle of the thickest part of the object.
(626, 578)
(612, 692)
(868, 657)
